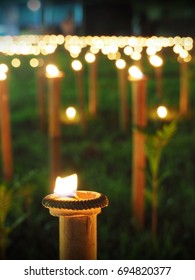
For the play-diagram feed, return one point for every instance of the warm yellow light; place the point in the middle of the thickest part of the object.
(120, 63)
(188, 43)
(133, 41)
(128, 50)
(183, 53)
(3, 68)
(136, 55)
(94, 49)
(50, 48)
(162, 112)
(105, 50)
(76, 65)
(3, 76)
(188, 58)
(74, 50)
(135, 73)
(52, 71)
(66, 186)
(15, 62)
(156, 60)
(60, 39)
(90, 57)
(112, 48)
(151, 50)
(34, 62)
(114, 56)
(70, 113)
(177, 48)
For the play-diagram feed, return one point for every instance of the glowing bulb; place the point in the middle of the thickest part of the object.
(70, 113)
(162, 112)
(66, 186)
(135, 72)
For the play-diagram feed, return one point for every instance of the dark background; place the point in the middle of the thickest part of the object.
(98, 17)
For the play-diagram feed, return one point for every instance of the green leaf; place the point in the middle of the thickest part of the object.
(148, 195)
(164, 176)
(5, 203)
(18, 221)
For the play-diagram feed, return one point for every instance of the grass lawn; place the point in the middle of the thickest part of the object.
(102, 158)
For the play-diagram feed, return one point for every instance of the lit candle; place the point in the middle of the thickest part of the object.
(52, 71)
(135, 74)
(66, 187)
(54, 78)
(122, 76)
(157, 62)
(71, 113)
(78, 67)
(139, 119)
(184, 87)
(77, 212)
(162, 112)
(92, 62)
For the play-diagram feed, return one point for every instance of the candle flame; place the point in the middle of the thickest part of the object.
(3, 76)
(120, 63)
(70, 113)
(90, 57)
(135, 73)
(156, 60)
(76, 65)
(66, 186)
(52, 70)
(162, 112)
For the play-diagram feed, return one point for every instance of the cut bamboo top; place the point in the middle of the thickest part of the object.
(84, 203)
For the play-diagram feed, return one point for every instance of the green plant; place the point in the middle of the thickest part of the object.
(155, 144)
(13, 211)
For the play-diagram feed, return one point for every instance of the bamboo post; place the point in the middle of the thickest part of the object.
(77, 212)
(78, 244)
(157, 62)
(158, 72)
(122, 80)
(184, 88)
(41, 99)
(6, 143)
(92, 61)
(77, 66)
(139, 119)
(54, 77)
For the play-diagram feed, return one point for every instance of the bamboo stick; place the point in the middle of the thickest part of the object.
(6, 141)
(139, 119)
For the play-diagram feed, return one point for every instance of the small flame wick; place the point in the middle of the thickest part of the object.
(75, 196)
